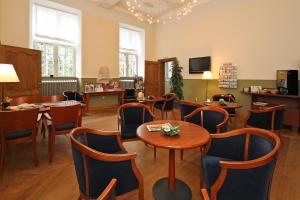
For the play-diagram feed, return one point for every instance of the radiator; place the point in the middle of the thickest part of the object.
(56, 87)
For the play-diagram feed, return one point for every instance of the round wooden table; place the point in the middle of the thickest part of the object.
(229, 105)
(191, 136)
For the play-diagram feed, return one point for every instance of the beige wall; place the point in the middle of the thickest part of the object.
(260, 36)
(100, 33)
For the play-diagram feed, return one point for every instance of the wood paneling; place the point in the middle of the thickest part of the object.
(27, 63)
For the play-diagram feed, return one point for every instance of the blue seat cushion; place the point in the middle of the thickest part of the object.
(159, 105)
(62, 127)
(18, 134)
(128, 131)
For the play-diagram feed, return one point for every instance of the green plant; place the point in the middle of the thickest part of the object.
(176, 81)
(170, 130)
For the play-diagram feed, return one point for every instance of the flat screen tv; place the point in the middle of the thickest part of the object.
(199, 65)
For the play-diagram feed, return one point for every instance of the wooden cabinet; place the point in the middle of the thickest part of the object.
(27, 63)
(292, 113)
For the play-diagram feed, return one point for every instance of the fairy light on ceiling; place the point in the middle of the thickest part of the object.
(135, 8)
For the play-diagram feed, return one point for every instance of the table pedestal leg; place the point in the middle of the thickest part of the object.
(171, 188)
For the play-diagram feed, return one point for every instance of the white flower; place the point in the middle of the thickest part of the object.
(166, 128)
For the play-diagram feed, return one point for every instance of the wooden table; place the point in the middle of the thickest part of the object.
(191, 136)
(229, 105)
(151, 102)
(115, 91)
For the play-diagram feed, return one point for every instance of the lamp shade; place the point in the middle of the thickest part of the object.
(8, 74)
(207, 75)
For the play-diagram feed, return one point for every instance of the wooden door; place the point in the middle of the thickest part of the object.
(154, 78)
(27, 63)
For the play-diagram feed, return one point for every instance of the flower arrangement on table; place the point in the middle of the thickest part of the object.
(169, 130)
(222, 102)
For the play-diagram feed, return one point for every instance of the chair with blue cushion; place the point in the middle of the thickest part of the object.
(109, 192)
(269, 118)
(214, 119)
(73, 95)
(166, 105)
(239, 164)
(18, 127)
(187, 107)
(131, 116)
(129, 95)
(227, 98)
(63, 120)
(99, 156)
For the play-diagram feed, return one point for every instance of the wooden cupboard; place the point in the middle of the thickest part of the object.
(27, 63)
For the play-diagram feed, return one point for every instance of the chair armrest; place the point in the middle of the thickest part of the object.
(204, 194)
(107, 192)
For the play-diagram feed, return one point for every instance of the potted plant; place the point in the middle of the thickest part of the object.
(176, 81)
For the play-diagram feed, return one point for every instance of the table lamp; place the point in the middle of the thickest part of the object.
(7, 75)
(206, 75)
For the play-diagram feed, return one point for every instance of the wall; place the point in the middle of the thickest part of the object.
(100, 33)
(260, 36)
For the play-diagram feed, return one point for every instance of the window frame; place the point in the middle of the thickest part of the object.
(55, 41)
(128, 52)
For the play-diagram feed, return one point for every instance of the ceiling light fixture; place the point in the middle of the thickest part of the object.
(135, 8)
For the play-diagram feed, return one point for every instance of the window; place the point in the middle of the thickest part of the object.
(55, 30)
(131, 52)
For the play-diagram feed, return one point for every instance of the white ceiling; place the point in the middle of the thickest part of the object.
(153, 7)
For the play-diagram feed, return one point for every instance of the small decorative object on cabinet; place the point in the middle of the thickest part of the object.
(228, 76)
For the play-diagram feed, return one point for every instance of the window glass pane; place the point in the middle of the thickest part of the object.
(132, 65)
(47, 58)
(66, 61)
(123, 65)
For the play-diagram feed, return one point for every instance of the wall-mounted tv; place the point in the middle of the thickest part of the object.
(199, 65)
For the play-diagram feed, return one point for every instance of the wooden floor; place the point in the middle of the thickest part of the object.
(57, 181)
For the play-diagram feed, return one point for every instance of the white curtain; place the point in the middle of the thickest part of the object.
(130, 39)
(55, 24)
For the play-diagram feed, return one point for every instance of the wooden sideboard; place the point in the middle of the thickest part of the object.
(292, 113)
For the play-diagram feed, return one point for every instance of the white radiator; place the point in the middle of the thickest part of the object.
(56, 87)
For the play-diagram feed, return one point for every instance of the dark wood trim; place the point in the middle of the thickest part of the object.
(108, 190)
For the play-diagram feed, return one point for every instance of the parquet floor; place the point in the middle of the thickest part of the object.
(57, 181)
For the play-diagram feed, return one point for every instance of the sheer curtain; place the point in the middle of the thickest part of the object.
(130, 39)
(55, 24)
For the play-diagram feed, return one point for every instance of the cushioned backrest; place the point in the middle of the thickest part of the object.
(129, 93)
(258, 147)
(195, 119)
(73, 96)
(169, 104)
(186, 109)
(148, 117)
(211, 119)
(103, 143)
(230, 148)
(278, 121)
(261, 120)
(132, 115)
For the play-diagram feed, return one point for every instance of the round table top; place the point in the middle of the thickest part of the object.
(229, 105)
(191, 135)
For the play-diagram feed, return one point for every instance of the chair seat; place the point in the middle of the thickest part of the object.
(62, 127)
(129, 131)
(18, 134)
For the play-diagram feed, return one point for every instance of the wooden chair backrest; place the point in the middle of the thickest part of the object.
(191, 103)
(13, 121)
(108, 192)
(228, 97)
(25, 99)
(65, 114)
(133, 105)
(53, 98)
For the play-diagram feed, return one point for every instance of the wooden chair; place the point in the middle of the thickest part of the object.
(18, 127)
(186, 107)
(167, 105)
(130, 117)
(239, 164)
(108, 192)
(214, 119)
(100, 156)
(129, 96)
(63, 120)
(269, 118)
(228, 98)
(73, 95)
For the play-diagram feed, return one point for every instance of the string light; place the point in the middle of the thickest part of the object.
(134, 7)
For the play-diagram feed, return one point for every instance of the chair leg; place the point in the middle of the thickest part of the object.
(2, 156)
(34, 152)
(154, 152)
(174, 116)
(162, 114)
(181, 154)
(166, 114)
